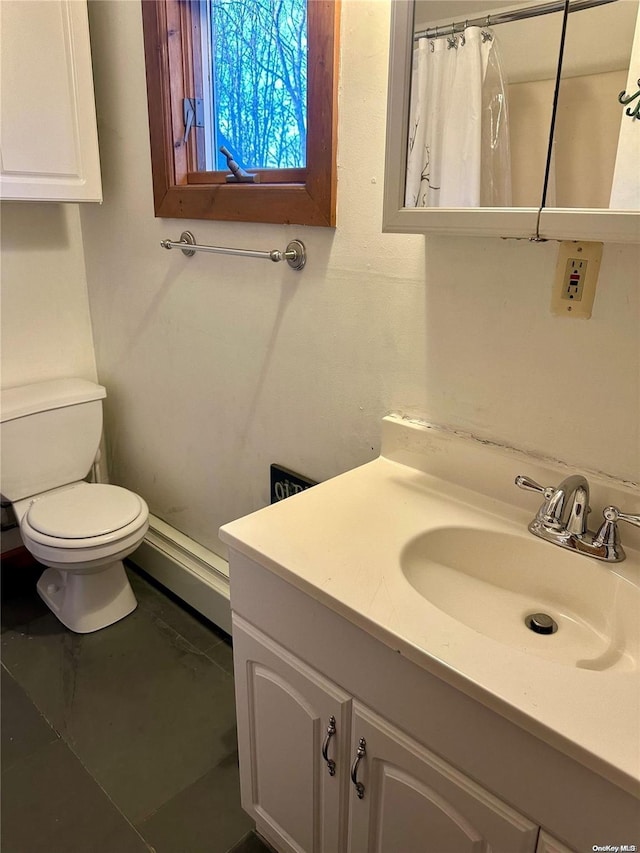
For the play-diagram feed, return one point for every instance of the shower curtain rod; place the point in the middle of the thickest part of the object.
(506, 17)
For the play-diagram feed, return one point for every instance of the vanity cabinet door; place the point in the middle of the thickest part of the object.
(284, 711)
(48, 131)
(548, 844)
(413, 800)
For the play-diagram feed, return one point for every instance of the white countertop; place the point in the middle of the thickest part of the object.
(341, 542)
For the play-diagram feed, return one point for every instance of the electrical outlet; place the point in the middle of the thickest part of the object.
(577, 272)
(573, 281)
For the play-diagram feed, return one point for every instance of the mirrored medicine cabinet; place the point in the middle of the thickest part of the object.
(589, 152)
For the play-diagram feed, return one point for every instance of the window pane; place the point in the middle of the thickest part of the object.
(259, 58)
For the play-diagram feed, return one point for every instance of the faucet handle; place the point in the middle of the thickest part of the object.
(529, 485)
(608, 535)
(612, 513)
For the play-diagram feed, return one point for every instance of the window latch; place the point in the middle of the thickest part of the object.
(192, 114)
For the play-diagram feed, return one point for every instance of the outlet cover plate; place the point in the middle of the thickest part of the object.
(577, 270)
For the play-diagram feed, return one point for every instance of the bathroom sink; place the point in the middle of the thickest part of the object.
(426, 550)
(492, 581)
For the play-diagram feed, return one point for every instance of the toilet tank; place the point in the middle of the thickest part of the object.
(49, 435)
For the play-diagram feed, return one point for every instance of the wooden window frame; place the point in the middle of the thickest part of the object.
(302, 196)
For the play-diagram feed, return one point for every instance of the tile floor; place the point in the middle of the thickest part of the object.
(121, 741)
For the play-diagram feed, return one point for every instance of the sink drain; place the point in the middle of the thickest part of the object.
(541, 623)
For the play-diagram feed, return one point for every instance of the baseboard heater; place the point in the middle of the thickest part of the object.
(190, 571)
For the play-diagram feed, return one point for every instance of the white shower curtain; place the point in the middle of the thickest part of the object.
(458, 152)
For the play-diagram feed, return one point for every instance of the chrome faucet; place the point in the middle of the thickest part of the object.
(555, 516)
(562, 519)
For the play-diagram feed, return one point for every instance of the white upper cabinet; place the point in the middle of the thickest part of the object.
(48, 133)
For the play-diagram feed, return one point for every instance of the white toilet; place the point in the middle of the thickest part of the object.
(50, 435)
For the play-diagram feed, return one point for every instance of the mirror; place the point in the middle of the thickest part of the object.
(588, 123)
(597, 58)
(491, 72)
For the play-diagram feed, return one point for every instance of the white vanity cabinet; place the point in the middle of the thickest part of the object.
(442, 772)
(411, 799)
(48, 132)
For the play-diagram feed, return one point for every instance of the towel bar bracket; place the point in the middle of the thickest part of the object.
(295, 254)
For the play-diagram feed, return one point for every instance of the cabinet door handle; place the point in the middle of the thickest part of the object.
(354, 767)
(331, 730)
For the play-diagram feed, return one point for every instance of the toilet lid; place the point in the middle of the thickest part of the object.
(83, 511)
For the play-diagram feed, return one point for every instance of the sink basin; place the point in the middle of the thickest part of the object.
(491, 581)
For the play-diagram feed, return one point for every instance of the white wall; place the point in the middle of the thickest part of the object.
(217, 366)
(46, 329)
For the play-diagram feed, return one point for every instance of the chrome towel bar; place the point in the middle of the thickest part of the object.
(295, 254)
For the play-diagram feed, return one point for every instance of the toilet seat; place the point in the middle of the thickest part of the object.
(83, 511)
(84, 516)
